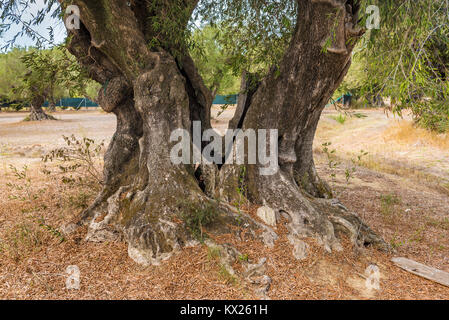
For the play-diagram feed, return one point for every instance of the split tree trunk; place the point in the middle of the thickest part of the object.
(37, 113)
(152, 94)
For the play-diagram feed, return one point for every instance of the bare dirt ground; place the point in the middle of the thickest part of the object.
(401, 188)
(22, 142)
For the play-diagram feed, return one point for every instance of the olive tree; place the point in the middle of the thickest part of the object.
(139, 51)
(50, 73)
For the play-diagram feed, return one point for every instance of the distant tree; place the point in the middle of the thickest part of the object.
(50, 72)
(12, 71)
(213, 62)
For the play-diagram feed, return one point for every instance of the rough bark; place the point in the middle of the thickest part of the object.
(51, 104)
(37, 113)
(152, 94)
(291, 100)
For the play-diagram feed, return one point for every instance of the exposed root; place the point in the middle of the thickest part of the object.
(254, 273)
(350, 224)
(39, 116)
(307, 216)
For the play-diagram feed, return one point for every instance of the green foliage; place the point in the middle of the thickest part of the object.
(388, 204)
(350, 170)
(21, 190)
(81, 156)
(254, 34)
(242, 188)
(389, 199)
(17, 12)
(79, 200)
(27, 236)
(396, 243)
(418, 235)
(359, 115)
(12, 70)
(51, 73)
(52, 230)
(356, 80)
(432, 114)
(244, 257)
(332, 161)
(227, 277)
(170, 27)
(242, 192)
(341, 118)
(213, 253)
(196, 216)
(213, 62)
(407, 59)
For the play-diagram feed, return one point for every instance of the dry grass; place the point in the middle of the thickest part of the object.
(413, 217)
(34, 259)
(405, 170)
(394, 147)
(407, 133)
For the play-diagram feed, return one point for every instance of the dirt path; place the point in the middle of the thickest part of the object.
(390, 141)
(26, 142)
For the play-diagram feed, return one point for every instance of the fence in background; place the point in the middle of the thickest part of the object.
(86, 103)
(74, 102)
(78, 103)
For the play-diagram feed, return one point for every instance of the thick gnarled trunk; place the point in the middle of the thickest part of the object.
(152, 95)
(37, 113)
(291, 100)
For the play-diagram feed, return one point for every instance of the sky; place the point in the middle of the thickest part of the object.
(42, 29)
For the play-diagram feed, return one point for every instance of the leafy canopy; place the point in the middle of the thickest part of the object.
(50, 73)
(213, 61)
(406, 59)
